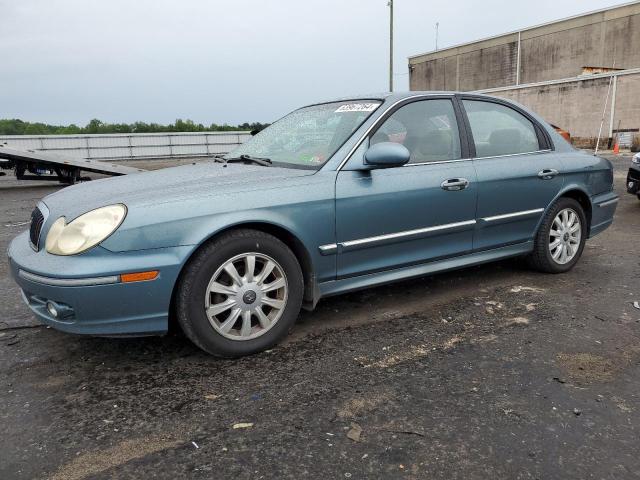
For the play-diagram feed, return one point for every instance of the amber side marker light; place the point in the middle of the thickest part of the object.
(139, 276)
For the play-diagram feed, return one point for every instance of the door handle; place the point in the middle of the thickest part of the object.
(455, 184)
(547, 173)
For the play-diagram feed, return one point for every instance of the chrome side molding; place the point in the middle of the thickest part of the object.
(608, 202)
(506, 216)
(393, 237)
(378, 240)
(328, 249)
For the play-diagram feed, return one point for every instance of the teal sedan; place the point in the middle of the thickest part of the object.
(334, 197)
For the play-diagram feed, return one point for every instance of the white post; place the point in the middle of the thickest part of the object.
(606, 102)
(613, 105)
(390, 45)
(518, 61)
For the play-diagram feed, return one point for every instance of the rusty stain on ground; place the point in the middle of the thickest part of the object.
(452, 342)
(520, 288)
(53, 382)
(586, 366)
(357, 406)
(92, 463)
(517, 321)
(485, 339)
(410, 353)
(413, 352)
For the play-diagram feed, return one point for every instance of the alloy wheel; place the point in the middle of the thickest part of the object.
(565, 236)
(246, 296)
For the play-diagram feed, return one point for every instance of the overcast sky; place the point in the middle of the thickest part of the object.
(68, 61)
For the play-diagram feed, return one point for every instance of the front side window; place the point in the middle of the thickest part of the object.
(427, 128)
(499, 130)
(308, 137)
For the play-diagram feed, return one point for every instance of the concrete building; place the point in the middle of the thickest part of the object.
(562, 70)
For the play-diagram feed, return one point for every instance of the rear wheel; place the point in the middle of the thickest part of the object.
(561, 237)
(240, 294)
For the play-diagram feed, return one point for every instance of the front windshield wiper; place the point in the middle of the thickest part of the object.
(265, 162)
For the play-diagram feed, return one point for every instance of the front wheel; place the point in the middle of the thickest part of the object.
(240, 294)
(561, 237)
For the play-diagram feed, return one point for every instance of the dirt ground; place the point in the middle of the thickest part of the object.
(489, 372)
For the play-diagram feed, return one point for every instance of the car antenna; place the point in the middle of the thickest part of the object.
(606, 103)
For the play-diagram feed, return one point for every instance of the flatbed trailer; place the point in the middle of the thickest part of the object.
(34, 165)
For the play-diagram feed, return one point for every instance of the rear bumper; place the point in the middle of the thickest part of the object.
(88, 290)
(604, 208)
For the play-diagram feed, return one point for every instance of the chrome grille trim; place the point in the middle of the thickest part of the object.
(68, 282)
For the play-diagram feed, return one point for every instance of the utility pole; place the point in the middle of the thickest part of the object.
(437, 26)
(390, 4)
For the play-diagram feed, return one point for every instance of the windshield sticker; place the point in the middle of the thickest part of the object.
(308, 158)
(357, 107)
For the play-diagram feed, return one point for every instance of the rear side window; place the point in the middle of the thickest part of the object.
(428, 129)
(499, 130)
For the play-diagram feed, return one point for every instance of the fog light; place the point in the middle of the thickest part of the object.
(51, 308)
(630, 185)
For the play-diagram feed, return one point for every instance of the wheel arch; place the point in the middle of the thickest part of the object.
(580, 196)
(310, 295)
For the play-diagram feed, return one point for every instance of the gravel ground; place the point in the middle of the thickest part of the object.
(489, 372)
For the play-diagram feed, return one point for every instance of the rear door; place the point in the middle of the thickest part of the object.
(518, 172)
(425, 210)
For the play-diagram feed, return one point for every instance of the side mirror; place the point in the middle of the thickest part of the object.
(386, 155)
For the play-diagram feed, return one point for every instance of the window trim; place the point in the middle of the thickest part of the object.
(545, 144)
(465, 153)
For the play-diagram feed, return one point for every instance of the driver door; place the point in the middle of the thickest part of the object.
(423, 211)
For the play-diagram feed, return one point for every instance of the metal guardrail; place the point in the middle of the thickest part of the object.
(130, 146)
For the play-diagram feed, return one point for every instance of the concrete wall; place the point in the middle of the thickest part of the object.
(547, 52)
(577, 105)
(627, 107)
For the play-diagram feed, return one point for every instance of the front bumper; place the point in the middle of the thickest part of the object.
(633, 180)
(88, 290)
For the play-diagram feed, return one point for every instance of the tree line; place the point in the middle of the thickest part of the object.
(95, 126)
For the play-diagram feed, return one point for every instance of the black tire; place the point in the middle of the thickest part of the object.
(541, 259)
(198, 272)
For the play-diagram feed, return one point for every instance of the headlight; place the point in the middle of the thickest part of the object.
(636, 158)
(84, 232)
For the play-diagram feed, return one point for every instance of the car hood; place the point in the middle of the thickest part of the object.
(169, 185)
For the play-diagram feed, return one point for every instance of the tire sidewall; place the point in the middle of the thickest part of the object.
(197, 278)
(560, 205)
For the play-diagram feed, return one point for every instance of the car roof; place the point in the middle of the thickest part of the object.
(395, 96)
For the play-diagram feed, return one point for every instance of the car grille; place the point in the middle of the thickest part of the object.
(37, 220)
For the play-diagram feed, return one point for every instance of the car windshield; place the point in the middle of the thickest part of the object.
(308, 137)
